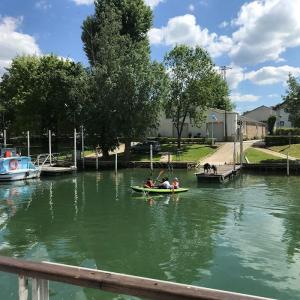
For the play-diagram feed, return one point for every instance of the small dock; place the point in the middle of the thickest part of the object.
(48, 170)
(224, 174)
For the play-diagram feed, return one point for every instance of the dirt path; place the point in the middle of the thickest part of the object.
(224, 155)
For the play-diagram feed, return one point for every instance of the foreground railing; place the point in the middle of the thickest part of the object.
(41, 272)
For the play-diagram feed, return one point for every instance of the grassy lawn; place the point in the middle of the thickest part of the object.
(255, 156)
(294, 150)
(190, 153)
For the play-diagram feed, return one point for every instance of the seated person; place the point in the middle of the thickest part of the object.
(149, 184)
(175, 183)
(165, 184)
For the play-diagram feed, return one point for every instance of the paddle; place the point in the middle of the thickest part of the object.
(160, 173)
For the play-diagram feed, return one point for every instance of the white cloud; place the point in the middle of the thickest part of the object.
(13, 43)
(224, 24)
(235, 76)
(272, 75)
(237, 97)
(83, 2)
(43, 4)
(153, 3)
(266, 28)
(184, 30)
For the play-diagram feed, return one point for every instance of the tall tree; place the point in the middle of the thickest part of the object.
(292, 100)
(195, 87)
(127, 87)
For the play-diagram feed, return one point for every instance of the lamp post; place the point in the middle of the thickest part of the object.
(213, 118)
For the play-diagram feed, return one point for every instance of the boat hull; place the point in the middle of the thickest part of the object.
(20, 175)
(158, 191)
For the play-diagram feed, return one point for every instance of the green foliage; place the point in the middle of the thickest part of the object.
(126, 88)
(287, 131)
(40, 93)
(292, 101)
(271, 124)
(277, 140)
(195, 86)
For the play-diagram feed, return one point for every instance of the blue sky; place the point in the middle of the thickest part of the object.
(259, 40)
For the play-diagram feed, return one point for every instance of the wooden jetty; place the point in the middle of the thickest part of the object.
(224, 173)
(48, 170)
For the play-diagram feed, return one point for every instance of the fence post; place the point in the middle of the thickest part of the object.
(50, 150)
(82, 145)
(23, 288)
(4, 138)
(75, 149)
(151, 159)
(40, 289)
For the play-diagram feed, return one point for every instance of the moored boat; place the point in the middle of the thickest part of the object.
(157, 190)
(14, 167)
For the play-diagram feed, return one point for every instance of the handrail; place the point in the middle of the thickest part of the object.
(115, 282)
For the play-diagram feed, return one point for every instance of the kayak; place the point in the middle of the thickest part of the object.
(158, 191)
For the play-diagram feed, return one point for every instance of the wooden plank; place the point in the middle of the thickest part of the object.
(23, 288)
(115, 282)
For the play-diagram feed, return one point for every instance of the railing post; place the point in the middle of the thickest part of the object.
(23, 288)
(40, 289)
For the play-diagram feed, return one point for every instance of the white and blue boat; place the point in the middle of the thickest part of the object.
(14, 167)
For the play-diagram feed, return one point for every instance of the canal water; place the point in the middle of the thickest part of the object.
(243, 236)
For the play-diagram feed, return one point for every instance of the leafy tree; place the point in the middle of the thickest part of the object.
(195, 87)
(271, 124)
(41, 93)
(126, 87)
(292, 100)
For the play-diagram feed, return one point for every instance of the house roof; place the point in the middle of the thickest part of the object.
(249, 120)
(257, 108)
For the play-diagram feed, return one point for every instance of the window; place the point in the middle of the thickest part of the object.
(281, 123)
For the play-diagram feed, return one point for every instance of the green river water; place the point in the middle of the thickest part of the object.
(243, 236)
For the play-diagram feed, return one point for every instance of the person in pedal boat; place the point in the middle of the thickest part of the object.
(165, 184)
(175, 183)
(149, 184)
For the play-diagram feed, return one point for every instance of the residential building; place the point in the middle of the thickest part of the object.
(262, 114)
(214, 126)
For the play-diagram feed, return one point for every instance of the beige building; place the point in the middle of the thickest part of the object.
(213, 126)
(262, 114)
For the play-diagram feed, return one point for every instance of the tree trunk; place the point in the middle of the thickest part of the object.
(105, 153)
(127, 150)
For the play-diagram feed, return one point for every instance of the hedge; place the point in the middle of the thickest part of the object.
(287, 131)
(279, 140)
(168, 140)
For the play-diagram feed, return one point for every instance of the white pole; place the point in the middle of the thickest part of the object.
(116, 162)
(82, 146)
(4, 137)
(234, 151)
(75, 149)
(287, 164)
(241, 143)
(212, 132)
(97, 166)
(50, 150)
(28, 144)
(151, 158)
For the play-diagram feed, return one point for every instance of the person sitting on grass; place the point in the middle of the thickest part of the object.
(175, 183)
(149, 184)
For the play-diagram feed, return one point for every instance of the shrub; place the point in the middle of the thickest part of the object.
(279, 140)
(271, 123)
(286, 131)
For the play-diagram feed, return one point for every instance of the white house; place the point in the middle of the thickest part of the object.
(213, 126)
(282, 117)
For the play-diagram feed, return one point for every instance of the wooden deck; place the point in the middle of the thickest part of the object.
(224, 173)
(48, 170)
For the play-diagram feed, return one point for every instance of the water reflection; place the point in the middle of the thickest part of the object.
(242, 236)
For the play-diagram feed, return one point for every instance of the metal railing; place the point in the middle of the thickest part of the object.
(41, 272)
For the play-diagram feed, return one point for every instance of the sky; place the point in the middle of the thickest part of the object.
(258, 40)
